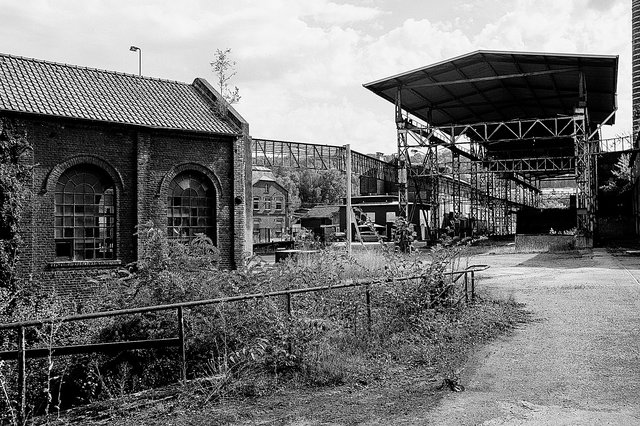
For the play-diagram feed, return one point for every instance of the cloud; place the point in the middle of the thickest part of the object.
(569, 27)
(301, 64)
(339, 14)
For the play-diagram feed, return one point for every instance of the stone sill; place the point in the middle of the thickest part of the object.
(84, 264)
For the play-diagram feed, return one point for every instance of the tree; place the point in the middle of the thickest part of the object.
(224, 69)
(311, 187)
(620, 180)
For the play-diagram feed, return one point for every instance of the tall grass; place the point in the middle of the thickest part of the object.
(250, 347)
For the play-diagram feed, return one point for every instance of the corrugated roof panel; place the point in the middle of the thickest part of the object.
(509, 85)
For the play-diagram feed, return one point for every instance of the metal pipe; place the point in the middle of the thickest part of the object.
(22, 376)
(183, 353)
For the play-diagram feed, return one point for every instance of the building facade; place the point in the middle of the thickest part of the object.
(113, 150)
(270, 202)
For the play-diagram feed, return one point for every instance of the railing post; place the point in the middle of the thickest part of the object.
(367, 295)
(288, 303)
(473, 286)
(183, 356)
(466, 287)
(22, 377)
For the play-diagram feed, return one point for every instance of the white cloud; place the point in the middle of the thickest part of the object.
(569, 27)
(301, 64)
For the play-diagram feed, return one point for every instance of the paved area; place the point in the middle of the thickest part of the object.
(577, 364)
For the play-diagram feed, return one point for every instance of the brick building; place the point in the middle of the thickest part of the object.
(270, 202)
(113, 150)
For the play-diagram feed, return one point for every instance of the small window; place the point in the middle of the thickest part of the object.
(84, 215)
(278, 203)
(267, 203)
(256, 203)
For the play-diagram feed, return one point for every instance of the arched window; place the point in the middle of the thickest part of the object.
(191, 206)
(85, 219)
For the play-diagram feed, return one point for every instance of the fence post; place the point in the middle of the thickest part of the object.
(183, 356)
(288, 300)
(466, 287)
(368, 302)
(22, 376)
(473, 286)
(288, 303)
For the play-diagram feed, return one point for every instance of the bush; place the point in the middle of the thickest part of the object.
(249, 346)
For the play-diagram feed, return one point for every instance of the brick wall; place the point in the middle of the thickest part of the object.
(141, 162)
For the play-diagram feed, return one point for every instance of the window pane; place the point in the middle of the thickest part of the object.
(84, 206)
(189, 200)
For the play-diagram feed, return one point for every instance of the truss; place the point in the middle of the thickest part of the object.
(490, 185)
(273, 153)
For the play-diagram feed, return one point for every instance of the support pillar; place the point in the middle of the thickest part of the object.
(584, 181)
(403, 158)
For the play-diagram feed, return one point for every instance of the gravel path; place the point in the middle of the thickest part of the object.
(578, 364)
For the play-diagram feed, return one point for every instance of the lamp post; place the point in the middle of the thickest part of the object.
(137, 49)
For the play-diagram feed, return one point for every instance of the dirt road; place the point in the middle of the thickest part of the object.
(578, 364)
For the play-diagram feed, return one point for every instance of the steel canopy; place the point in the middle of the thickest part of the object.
(492, 86)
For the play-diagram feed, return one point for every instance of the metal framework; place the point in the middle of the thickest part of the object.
(273, 153)
(490, 126)
(471, 181)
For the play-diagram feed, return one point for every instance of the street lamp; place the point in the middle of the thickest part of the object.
(134, 49)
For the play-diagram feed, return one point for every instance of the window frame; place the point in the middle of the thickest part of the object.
(201, 197)
(85, 226)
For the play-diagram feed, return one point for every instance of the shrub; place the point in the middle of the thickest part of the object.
(329, 337)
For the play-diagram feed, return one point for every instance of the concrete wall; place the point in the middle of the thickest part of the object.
(528, 243)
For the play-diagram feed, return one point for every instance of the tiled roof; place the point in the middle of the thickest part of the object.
(323, 211)
(34, 86)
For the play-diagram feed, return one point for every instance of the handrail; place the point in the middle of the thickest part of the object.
(190, 304)
(21, 354)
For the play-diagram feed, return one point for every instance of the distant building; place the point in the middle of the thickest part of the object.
(270, 202)
(382, 210)
(323, 221)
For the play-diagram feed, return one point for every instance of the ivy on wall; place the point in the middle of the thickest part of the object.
(15, 194)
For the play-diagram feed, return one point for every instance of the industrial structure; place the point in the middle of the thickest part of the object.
(503, 122)
(479, 134)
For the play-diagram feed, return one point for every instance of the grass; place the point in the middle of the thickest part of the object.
(252, 351)
(344, 377)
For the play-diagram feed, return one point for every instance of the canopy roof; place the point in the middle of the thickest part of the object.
(486, 86)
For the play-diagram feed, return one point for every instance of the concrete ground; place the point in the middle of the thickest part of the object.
(577, 364)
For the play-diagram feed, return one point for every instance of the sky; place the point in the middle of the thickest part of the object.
(301, 64)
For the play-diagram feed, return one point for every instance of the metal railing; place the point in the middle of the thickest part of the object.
(21, 354)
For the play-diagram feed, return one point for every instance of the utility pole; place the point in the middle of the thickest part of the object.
(348, 212)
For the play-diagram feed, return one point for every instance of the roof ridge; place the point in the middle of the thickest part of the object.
(80, 67)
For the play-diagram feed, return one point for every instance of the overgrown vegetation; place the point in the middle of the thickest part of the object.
(15, 191)
(225, 68)
(252, 347)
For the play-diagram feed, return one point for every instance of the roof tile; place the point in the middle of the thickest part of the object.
(41, 87)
